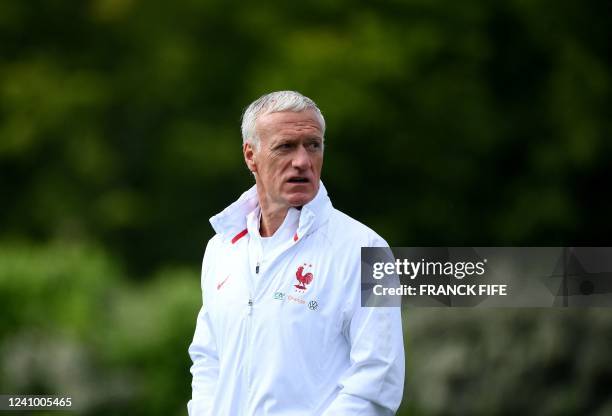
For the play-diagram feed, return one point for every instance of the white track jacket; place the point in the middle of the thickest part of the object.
(288, 336)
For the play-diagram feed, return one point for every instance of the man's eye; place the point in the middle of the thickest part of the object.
(315, 145)
(284, 146)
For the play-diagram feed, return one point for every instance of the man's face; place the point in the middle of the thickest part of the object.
(288, 160)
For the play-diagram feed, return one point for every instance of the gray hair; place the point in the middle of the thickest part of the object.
(275, 102)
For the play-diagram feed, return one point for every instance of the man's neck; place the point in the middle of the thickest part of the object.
(271, 220)
(272, 213)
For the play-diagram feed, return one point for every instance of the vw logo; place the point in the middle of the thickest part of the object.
(312, 305)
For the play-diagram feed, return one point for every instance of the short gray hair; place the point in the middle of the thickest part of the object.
(275, 102)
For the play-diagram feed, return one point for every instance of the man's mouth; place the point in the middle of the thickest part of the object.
(298, 179)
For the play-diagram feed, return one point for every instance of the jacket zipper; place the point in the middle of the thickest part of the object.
(248, 337)
(249, 324)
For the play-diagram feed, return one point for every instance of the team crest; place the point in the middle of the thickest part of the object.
(304, 278)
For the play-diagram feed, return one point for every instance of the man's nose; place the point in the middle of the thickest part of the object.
(301, 158)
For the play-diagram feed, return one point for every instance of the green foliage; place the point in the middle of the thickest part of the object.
(71, 324)
(453, 123)
(508, 362)
(56, 288)
(470, 123)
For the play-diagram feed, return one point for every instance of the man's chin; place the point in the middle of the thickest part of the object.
(301, 199)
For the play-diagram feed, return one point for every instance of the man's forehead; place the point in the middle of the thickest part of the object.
(288, 119)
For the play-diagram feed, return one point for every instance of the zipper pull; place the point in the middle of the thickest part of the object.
(250, 305)
(257, 268)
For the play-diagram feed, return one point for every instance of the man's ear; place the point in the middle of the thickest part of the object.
(249, 156)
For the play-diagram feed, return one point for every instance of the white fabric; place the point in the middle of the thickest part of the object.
(269, 344)
(261, 249)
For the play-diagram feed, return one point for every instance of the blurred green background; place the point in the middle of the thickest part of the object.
(468, 123)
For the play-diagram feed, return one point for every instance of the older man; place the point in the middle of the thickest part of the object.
(282, 330)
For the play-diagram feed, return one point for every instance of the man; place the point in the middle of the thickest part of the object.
(281, 330)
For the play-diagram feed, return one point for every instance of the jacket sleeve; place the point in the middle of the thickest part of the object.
(203, 353)
(373, 384)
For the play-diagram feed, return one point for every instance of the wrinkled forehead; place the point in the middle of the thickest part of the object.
(291, 122)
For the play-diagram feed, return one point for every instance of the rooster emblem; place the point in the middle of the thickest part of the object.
(303, 279)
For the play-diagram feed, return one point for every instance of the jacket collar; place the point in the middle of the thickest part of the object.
(231, 223)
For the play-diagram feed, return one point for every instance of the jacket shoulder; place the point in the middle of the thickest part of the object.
(210, 254)
(347, 230)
